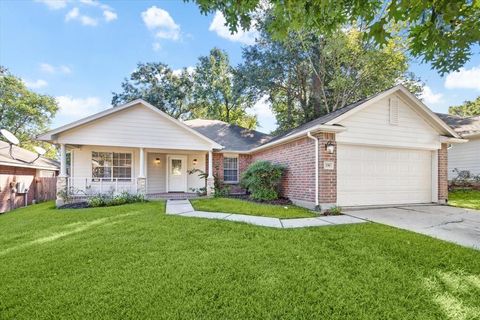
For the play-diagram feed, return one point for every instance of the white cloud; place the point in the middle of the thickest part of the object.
(48, 68)
(54, 4)
(218, 26)
(36, 84)
(72, 14)
(464, 79)
(429, 97)
(78, 107)
(109, 15)
(88, 21)
(161, 23)
(190, 70)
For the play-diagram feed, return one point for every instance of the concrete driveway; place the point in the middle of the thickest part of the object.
(457, 225)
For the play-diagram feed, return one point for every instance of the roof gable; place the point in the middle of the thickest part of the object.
(419, 107)
(106, 118)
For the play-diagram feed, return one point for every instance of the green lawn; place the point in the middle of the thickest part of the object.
(135, 262)
(466, 199)
(229, 205)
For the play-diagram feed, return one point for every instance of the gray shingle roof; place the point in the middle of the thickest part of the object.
(461, 125)
(232, 137)
(23, 154)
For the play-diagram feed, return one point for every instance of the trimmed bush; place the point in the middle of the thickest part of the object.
(262, 179)
(107, 200)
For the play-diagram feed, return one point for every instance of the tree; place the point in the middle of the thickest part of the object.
(24, 112)
(466, 109)
(442, 32)
(306, 76)
(221, 92)
(158, 84)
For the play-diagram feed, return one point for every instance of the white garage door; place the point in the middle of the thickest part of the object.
(378, 176)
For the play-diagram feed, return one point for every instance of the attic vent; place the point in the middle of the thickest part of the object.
(394, 111)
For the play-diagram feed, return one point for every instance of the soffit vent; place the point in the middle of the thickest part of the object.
(394, 111)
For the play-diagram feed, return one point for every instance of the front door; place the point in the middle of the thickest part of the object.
(177, 173)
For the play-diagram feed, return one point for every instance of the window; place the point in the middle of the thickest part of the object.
(230, 169)
(111, 165)
(176, 167)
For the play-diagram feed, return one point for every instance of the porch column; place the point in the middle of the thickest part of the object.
(62, 179)
(210, 178)
(141, 179)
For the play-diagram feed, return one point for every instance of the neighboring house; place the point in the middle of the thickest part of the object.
(465, 156)
(387, 149)
(16, 173)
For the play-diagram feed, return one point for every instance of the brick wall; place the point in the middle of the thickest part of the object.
(443, 174)
(328, 178)
(299, 158)
(244, 161)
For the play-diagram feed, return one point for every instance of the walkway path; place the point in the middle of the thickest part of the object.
(184, 208)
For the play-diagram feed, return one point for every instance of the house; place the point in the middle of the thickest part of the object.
(384, 150)
(465, 156)
(22, 182)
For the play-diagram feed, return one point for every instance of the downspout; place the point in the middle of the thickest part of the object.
(317, 205)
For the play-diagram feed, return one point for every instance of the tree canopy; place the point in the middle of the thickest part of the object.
(466, 109)
(24, 112)
(306, 75)
(442, 32)
(212, 90)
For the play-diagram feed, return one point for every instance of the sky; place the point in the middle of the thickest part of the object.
(79, 51)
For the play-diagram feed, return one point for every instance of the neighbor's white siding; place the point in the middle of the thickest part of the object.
(464, 156)
(372, 126)
(137, 126)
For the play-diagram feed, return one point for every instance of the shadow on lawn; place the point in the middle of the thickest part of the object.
(452, 291)
(72, 228)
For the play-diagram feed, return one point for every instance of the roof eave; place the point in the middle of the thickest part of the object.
(317, 128)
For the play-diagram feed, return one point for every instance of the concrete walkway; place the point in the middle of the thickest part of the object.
(184, 208)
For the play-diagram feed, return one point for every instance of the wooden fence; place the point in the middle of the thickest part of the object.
(46, 189)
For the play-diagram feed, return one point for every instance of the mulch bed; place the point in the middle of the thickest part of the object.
(279, 201)
(76, 205)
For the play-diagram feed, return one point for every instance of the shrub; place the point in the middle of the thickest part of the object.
(262, 180)
(109, 199)
(333, 211)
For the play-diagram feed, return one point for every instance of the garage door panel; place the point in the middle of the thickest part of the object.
(375, 176)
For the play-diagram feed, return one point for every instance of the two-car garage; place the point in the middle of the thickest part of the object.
(382, 176)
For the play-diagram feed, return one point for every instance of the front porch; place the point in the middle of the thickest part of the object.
(155, 173)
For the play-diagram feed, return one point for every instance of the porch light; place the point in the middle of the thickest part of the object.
(157, 161)
(195, 161)
(330, 147)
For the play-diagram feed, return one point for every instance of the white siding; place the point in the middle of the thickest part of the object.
(194, 181)
(464, 156)
(372, 126)
(81, 174)
(137, 126)
(156, 173)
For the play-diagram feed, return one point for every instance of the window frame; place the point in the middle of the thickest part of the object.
(236, 157)
(112, 167)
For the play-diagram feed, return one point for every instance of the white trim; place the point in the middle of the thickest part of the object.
(320, 127)
(435, 176)
(316, 168)
(235, 156)
(21, 165)
(443, 139)
(48, 136)
(184, 159)
(417, 102)
(379, 145)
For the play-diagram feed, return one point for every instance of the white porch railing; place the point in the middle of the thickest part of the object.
(86, 186)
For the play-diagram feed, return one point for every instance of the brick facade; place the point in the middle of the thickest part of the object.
(443, 174)
(244, 161)
(328, 178)
(299, 158)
